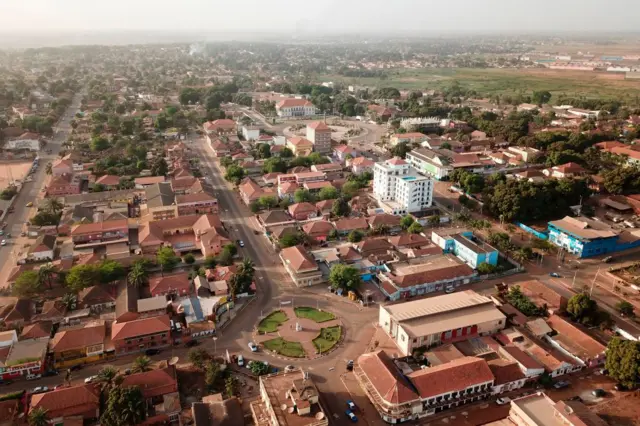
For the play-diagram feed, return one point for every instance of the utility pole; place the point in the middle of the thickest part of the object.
(594, 282)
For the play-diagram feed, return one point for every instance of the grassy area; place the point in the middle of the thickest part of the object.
(284, 347)
(272, 321)
(493, 81)
(328, 338)
(313, 314)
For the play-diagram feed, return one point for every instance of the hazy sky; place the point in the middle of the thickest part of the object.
(378, 16)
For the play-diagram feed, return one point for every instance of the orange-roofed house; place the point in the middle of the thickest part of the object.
(319, 230)
(141, 334)
(409, 138)
(295, 108)
(565, 171)
(68, 402)
(301, 266)
(78, 345)
(301, 147)
(109, 181)
(576, 341)
(64, 184)
(101, 233)
(200, 203)
(360, 165)
(320, 136)
(303, 211)
(179, 284)
(160, 390)
(223, 126)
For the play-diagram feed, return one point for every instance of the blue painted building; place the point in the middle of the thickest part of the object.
(585, 237)
(465, 246)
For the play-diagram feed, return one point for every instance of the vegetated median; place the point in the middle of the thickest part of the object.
(285, 347)
(327, 339)
(313, 314)
(271, 322)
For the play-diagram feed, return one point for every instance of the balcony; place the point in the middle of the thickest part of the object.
(462, 398)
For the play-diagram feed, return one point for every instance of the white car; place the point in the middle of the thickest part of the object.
(90, 379)
(3, 243)
(241, 243)
(289, 368)
(503, 401)
(253, 347)
(40, 389)
(240, 360)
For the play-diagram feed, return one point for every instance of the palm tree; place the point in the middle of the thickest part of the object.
(70, 301)
(53, 205)
(38, 417)
(138, 275)
(247, 267)
(141, 364)
(107, 377)
(48, 169)
(46, 274)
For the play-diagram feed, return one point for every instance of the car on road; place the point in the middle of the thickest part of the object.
(150, 352)
(1, 233)
(240, 360)
(3, 243)
(289, 368)
(561, 385)
(620, 387)
(30, 204)
(351, 416)
(351, 405)
(33, 376)
(598, 393)
(90, 379)
(554, 275)
(607, 259)
(40, 389)
(350, 365)
(503, 401)
(241, 243)
(449, 289)
(253, 347)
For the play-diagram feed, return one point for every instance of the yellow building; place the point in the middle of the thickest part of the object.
(79, 345)
(300, 147)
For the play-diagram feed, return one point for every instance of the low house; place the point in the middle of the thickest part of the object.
(143, 182)
(529, 366)
(341, 152)
(179, 284)
(410, 241)
(360, 165)
(160, 392)
(17, 314)
(101, 233)
(325, 207)
(43, 249)
(214, 410)
(220, 127)
(543, 296)
(161, 201)
(37, 330)
(318, 230)
(273, 218)
(64, 184)
(78, 345)
(567, 170)
(303, 211)
(347, 224)
(97, 298)
(508, 376)
(138, 335)
(67, 403)
(250, 191)
(301, 266)
(408, 138)
(109, 181)
(576, 341)
(386, 221)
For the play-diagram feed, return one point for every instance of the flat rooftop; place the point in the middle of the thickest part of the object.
(431, 263)
(437, 305)
(277, 387)
(540, 409)
(472, 245)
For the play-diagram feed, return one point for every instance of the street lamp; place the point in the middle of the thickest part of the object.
(215, 345)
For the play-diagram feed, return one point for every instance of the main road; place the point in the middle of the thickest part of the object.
(32, 192)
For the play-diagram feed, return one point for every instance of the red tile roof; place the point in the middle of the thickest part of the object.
(456, 375)
(522, 358)
(77, 338)
(319, 126)
(317, 227)
(108, 180)
(297, 208)
(194, 198)
(298, 258)
(386, 379)
(575, 340)
(140, 327)
(170, 283)
(109, 225)
(505, 371)
(350, 224)
(68, 401)
(396, 161)
(37, 330)
(154, 383)
(292, 102)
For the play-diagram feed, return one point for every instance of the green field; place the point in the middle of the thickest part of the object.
(284, 347)
(272, 321)
(493, 81)
(327, 338)
(313, 314)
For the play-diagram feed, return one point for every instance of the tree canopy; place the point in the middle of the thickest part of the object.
(345, 277)
(623, 360)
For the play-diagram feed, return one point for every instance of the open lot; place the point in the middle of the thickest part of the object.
(13, 171)
(493, 81)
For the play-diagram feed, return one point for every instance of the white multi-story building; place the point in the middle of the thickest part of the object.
(294, 107)
(400, 189)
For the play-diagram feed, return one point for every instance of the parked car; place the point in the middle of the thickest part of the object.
(50, 373)
(30, 204)
(253, 347)
(33, 376)
(90, 379)
(241, 243)
(40, 389)
(503, 401)
(351, 405)
(3, 243)
(351, 416)
(76, 367)
(240, 360)
(607, 259)
(350, 365)
(449, 289)
(620, 387)
(150, 352)
(598, 393)
(561, 385)
(554, 275)
(289, 368)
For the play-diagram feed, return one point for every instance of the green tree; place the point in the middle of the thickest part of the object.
(141, 364)
(583, 309)
(345, 277)
(212, 373)
(159, 167)
(210, 262)
(81, 277)
(290, 240)
(231, 386)
(434, 220)
(111, 271)
(355, 236)
(350, 189)
(328, 193)
(259, 368)
(138, 275)
(274, 165)
(99, 144)
(286, 153)
(400, 150)
(189, 259)
(407, 221)
(167, 259)
(235, 174)
(38, 417)
(625, 308)
(107, 377)
(341, 207)
(303, 195)
(623, 361)
(70, 301)
(46, 275)
(125, 406)
(541, 97)
(486, 268)
(53, 205)
(198, 357)
(268, 201)
(415, 228)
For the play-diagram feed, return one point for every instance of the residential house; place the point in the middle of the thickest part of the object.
(62, 166)
(101, 233)
(250, 133)
(386, 221)
(632, 155)
(161, 201)
(303, 211)
(301, 147)
(26, 141)
(43, 249)
(37, 330)
(507, 374)
(159, 389)
(527, 154)
(292, 107)
(341, 152)
(179, 284)
(404, 240)
(64, 184)
(360, 165)
(18, 313)
(273, 218)
(325, 207)
(534, 176)
(408, 138)
(574, 340)
(220, 149)
(539, 410)
(318, 230)
(320, 136)
(186, 185)
(23, 358)
(220, 127)
(78, 345)
(97, 298)
(250, 191)
(143, 182)
(346, 225)
(374, 247)
(200, 203)
(466, 246)
(542, 295)
(380, 112)
(214, 410)
(528, 365)
(151, 307)
(65, 404)
(302, 268)
(109, 181)
(567, 170)
(141, 334)
(478, 135)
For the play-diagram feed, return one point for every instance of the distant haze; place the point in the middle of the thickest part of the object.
(202, 17)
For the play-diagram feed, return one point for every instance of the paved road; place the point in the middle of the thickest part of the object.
(31, 191)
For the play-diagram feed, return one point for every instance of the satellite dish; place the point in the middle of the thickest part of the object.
(320, 415)
(283, 407)
(173, 360)
(290, 410)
